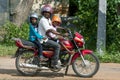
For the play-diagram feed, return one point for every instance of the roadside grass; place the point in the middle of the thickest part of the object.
(7, 50)
(110, 58)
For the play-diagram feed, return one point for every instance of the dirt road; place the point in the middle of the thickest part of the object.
(107, 71)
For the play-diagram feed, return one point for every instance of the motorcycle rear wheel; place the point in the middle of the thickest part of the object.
(88, 70)
(26, 58)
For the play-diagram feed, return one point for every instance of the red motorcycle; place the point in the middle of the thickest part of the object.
(83, 61)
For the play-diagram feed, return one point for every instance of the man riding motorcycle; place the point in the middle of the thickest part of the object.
(45, 26)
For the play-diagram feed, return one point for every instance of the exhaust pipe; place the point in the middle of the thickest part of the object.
(31, 66)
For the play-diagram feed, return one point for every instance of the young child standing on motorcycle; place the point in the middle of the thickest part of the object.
(34, 36)
(45, 26)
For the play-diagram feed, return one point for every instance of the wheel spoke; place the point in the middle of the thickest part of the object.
(24, 59)
(87, 69)
(79, 67)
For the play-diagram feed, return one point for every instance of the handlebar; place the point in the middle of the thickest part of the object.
(68, 18)
(69, 33)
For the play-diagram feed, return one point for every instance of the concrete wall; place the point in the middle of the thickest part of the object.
(4, 11)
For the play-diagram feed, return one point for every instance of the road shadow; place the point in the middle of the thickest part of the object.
(14, 72)
(50, 74)
(46, 75)
(9, 71)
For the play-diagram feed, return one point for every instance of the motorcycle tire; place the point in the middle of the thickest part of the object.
(25, 57)
(88, 69)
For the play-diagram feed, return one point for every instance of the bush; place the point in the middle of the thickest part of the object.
(110, 58)
(14, 31)
(7, 50)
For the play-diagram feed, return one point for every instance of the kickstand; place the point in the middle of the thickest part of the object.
(66, 69)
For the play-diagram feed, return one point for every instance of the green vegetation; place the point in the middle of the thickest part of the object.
(7, 50)
(12, 31)
(87, 12)
(110, 58)
(9, 31)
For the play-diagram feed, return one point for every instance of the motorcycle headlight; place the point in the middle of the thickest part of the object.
(83, 40)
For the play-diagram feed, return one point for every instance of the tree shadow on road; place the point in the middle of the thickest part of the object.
(8, 71)
(50, 74)
(13, 72)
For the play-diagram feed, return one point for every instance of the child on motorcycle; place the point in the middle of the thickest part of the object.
(34, 36)
(56, 21)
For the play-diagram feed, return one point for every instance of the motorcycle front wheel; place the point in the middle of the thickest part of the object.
(25, 63)
(87, 69)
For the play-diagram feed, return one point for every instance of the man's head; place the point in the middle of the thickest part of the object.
(47, 11)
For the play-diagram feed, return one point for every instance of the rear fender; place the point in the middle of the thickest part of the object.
(18, 51)
(21, 50)
(84, 52)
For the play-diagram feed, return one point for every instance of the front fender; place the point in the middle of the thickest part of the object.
(84, 52)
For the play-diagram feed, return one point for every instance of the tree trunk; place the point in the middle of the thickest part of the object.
(21, 11)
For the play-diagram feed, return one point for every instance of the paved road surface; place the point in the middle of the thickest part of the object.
(107, 71)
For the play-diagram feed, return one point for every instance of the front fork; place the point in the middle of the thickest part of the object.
(70, 61)
(82, 58)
